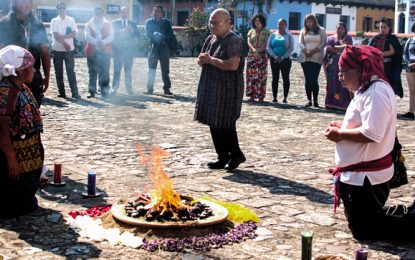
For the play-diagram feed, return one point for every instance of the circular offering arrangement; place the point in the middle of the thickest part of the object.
(219, 215)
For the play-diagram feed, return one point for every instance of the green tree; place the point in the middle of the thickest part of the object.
(196, 31)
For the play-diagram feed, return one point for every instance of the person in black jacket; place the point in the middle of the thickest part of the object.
(392, 51)
(125, 31)
(159, 34)
(21, 28)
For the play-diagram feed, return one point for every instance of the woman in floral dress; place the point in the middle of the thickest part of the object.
(257, 60)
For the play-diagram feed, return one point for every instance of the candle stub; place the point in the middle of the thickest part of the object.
(57, 172)
(306, 245)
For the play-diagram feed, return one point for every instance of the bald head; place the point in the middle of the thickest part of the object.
(219, 22)
(221, 13)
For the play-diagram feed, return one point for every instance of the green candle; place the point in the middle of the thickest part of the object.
(306, 245)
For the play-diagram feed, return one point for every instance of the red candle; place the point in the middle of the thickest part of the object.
(57, 173)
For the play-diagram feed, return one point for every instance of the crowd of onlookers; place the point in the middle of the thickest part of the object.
(317, 51)
(104, 40)
(113, 39)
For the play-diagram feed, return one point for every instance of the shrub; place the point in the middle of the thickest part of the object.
(196, 31)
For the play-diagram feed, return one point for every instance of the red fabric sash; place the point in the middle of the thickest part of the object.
(369, 166)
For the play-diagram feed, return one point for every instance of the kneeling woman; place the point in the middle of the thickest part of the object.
(364, 141)
(21, 150)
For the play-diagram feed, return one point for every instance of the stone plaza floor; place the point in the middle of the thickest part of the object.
(284, 180)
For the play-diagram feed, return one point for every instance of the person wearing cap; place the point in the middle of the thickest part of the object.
(99, 36)
(364, 142)
(64, 30)
(21, 150)
(21, 28)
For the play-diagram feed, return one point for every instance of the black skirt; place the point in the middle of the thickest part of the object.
(18, 197)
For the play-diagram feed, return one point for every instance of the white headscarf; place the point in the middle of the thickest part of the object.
(14, 58)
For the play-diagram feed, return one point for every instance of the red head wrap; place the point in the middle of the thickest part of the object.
(367, 58)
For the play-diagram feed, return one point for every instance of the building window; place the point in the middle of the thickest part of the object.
(182, 17)
(46, 15)
(367, 24)
(401, 23)
(321, 19)
(345, 19)
(294, 21)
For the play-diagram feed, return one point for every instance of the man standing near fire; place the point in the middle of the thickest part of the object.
(220, 91)
(21, 28)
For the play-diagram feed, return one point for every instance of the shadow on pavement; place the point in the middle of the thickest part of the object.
(82, 102)
(404, 248)
(51, 102)
(71, 193)
(295, 107)
(278, 185)
(45, 230)
(177, 97)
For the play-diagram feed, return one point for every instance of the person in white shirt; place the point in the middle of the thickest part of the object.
(364, 141)
(64, 28)
(99, 36)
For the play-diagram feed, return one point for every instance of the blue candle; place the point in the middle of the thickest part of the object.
(92, 181)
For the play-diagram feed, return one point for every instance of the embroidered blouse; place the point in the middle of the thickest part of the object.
(24, 113)
(258, 39)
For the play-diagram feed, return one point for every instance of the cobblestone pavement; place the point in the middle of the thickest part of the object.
(284, 180)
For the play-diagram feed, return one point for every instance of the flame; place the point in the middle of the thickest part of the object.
(163, 195)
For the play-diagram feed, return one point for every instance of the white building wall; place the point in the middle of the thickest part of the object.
(331, 20)
(409, 15)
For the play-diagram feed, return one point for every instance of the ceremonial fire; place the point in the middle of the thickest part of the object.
(164, 203)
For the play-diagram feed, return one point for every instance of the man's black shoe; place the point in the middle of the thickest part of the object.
(62, 95)
(91, 95)
(408, 115)
(76, 96)
(168, 92)
(217, 165)
(234, 163)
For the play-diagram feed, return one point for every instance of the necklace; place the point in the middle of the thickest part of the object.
(26, 28)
